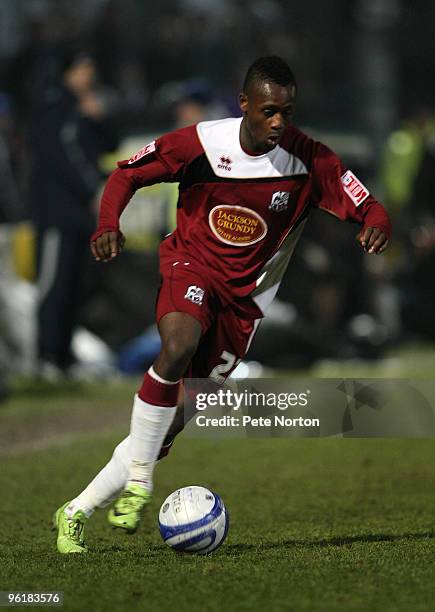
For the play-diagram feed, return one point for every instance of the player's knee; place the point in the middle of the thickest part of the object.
(179, 349)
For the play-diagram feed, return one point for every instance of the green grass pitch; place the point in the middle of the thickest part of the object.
(329, 524)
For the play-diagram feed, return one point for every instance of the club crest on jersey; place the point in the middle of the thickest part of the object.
(236, 225)
(225, 163)
(279, 201)
(146, 150)
(195, 294)
(354, 188)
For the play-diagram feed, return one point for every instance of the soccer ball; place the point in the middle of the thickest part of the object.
(194, 520)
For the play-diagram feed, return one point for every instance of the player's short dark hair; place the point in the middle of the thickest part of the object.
(271, 69)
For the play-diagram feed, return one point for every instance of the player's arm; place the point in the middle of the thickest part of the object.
(143, 169)
(373, 239)
(339, 192)
(163, 160)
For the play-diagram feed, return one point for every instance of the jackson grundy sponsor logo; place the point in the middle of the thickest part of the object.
(236, 225)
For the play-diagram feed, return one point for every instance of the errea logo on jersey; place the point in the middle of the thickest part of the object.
(279, 201)
(354, 188)
(195, 294)
(225, 163)
(146, 150)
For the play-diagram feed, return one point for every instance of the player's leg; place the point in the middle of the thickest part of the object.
(220, 349)
(102, 490)
(174, 427)
(134, 458)
(185, 310)
(219, 352)
(154, 409)
(70, 518)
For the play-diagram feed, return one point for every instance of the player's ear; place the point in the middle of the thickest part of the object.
(243, 102)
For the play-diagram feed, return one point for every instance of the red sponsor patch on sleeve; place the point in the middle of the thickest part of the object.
(354, 188)
(149, 148)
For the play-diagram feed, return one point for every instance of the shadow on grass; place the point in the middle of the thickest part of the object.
(235, 550)
(238, 549)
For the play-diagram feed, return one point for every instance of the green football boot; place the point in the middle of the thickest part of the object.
(128, 508)
(70, 531)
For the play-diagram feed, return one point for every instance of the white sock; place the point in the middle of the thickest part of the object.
(106, 485)
(149, 426)
(133, 460)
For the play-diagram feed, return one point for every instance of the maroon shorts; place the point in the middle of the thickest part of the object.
(226, 335)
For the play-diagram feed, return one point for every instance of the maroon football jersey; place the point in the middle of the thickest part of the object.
(240, 215)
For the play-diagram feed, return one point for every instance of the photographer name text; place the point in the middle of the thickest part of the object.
(249, 421)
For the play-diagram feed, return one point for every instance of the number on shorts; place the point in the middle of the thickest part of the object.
(223, 368)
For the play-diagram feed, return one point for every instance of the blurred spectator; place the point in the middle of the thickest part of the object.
(402, 157)
(417, 289)
(70, 130)
(10, 200)
(10, 207)
(407, 174)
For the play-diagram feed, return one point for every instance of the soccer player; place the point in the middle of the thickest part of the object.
(247, 185)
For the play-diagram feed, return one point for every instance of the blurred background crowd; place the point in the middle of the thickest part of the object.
(85, 83)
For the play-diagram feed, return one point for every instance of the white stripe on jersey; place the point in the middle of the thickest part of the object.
(274, 269)
(221, 143)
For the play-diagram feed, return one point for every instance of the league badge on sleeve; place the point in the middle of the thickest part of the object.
(149, 148)
(354, 188)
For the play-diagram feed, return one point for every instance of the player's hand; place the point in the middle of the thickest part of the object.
(373, 240)
(107, 246)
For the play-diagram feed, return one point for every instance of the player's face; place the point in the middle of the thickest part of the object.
(268, 109)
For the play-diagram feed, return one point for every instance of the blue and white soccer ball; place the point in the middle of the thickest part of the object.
(194, 520)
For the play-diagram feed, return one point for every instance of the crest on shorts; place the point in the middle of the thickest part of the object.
(195, 294)
(279, 201)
